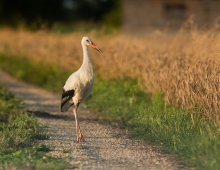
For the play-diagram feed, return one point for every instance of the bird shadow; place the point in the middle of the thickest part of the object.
(46, 115)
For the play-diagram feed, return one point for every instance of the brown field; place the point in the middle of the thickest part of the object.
(185, 67)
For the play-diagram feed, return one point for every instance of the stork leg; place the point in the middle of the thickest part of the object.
(79, 135)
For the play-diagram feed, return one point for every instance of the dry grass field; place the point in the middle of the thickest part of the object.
(185, 67)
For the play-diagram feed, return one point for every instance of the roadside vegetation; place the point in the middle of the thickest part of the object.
(19, 132)
(162, 88)
(124, 103)
(184, 67)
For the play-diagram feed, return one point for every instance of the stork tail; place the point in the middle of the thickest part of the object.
(66, 100)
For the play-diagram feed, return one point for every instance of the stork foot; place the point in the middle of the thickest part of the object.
(80, 138)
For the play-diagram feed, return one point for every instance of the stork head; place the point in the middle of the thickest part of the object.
(88, 42)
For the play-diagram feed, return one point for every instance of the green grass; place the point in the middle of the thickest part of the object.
(195, 140)
(19, 132)
(40, 73)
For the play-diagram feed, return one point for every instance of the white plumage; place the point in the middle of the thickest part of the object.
(79, 85)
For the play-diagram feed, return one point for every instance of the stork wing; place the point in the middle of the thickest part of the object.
(65, 101)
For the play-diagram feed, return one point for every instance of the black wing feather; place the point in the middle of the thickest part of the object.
(66, 96)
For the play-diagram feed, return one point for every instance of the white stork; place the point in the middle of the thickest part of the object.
(79, 85)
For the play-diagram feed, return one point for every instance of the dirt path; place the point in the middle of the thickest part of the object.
(106, 147)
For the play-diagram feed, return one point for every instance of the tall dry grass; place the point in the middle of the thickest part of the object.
(185, 67)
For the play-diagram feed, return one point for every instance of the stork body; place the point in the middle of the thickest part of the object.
(79, 85)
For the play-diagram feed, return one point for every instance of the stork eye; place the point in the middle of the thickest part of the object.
(87, 41)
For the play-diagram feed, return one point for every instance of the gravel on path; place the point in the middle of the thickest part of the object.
(106, 147)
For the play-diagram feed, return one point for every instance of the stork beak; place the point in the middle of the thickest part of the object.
(95, 47)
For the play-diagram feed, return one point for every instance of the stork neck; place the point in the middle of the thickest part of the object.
(87, 64)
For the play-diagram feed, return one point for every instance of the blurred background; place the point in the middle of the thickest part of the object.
(128, 16)
(60, 15)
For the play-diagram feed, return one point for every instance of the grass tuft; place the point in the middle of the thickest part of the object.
(19, 132)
